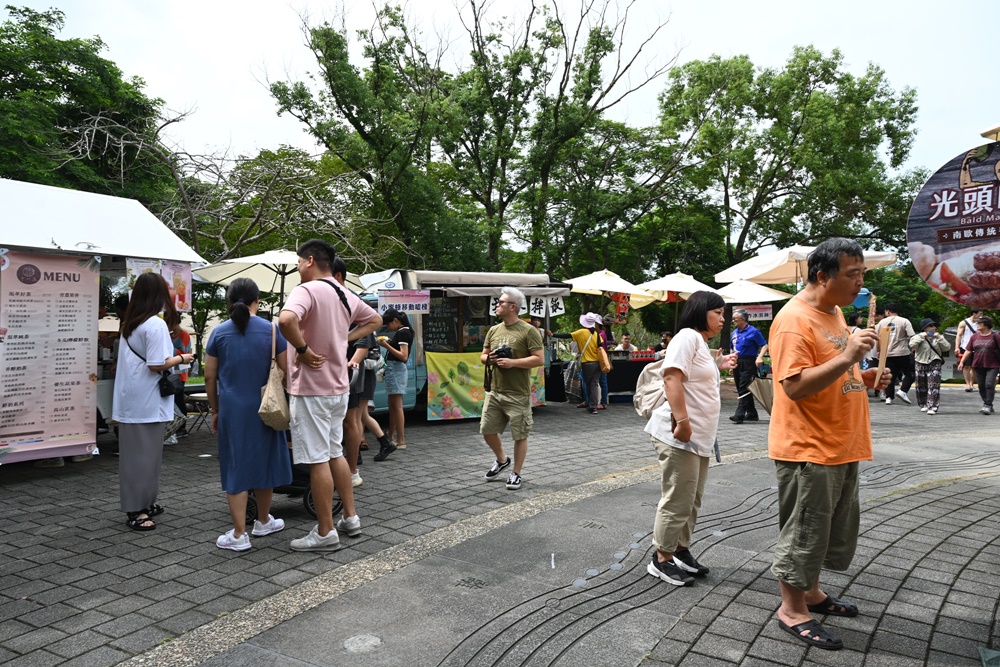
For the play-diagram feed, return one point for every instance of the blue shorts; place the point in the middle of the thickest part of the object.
(395, 377)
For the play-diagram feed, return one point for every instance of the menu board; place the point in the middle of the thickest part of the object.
(48, 353)
(440, 326)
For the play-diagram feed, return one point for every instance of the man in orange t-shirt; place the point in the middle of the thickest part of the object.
(820, 430)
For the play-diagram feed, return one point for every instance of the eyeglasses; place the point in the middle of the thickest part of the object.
(501, 302)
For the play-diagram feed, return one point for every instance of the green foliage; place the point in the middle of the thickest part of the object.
(798, 154)
(49, 85)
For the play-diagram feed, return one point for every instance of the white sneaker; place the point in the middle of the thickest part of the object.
(985, 410)
(356, 479)
(902, 395)
(932, 411)
(350, 525)
(272, 526)
(888, 401)
(228, 541)
(172, 440)
(315, 542)
(923, 409)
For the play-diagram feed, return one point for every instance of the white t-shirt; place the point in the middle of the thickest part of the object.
(689, 353)
(137, 392)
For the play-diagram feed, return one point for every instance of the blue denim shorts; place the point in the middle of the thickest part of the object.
(395, 377)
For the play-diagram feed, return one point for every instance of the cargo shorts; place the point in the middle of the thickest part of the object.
(501, 409)
(818, 519)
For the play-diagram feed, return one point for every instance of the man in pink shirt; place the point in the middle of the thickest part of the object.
(315, 321)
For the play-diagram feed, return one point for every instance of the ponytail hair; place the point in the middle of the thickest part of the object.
(241, 293)
(392, 314)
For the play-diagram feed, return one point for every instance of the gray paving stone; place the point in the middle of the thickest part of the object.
(899, 645)
(79, 643)
(81, 622)
(34, 639)
(951, 660)
(93, 599)
(965, 647)
(669, 651)
(772, 649)
(39, 658)
(184, 621)
(141, 640)
(167, 608)
(724, 648)
(99, 657)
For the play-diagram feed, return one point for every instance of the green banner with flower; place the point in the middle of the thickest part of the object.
(455, 385)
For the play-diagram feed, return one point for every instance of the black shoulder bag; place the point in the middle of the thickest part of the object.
(169, 383)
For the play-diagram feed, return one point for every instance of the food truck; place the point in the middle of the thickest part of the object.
(56, 247)
(450, 313)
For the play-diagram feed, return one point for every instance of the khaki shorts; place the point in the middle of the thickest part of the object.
(501, 409)
(317, 427)
(818, 518)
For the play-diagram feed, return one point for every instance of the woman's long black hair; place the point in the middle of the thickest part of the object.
(150, 295)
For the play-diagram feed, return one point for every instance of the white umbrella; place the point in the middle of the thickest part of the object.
(608, 282)
(680, 283)
(788, 266)
(744, 291)
(275, 271)
(601, 282)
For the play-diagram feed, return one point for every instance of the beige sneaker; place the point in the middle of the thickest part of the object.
(314, 542)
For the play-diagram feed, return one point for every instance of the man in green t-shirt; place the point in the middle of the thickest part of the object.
(512, 348)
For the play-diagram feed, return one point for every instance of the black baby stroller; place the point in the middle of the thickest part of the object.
(300, 486)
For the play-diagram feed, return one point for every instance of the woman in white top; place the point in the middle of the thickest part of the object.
(142, 413)
(684, 433)
(966, 329)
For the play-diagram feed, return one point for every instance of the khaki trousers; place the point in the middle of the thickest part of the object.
(682, 484)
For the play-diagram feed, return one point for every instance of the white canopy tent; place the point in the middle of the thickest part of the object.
(788, 266)
(42, 217)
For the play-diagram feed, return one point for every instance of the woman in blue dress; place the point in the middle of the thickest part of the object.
(252, 455)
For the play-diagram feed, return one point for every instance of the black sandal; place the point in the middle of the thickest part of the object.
(154, 510)
(831, 606)
(139, 521)
(814, 634)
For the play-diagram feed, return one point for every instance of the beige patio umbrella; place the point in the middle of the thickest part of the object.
(607, 282)
(275, 271)
(744, 291)
(678, 283)
(789, 265)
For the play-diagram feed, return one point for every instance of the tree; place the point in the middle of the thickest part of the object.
(49, 84)
(484, 139)
(227, 207)
(796, 155)
(380, 123)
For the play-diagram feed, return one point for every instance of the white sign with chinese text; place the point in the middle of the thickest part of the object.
(408, 301)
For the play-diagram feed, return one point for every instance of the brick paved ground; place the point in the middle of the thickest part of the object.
(78, 588)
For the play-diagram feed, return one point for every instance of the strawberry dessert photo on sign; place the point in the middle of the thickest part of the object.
(953, 230)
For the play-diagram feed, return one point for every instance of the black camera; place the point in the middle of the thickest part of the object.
(503, 352)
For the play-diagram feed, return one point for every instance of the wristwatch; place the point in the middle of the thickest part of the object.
(302, 350)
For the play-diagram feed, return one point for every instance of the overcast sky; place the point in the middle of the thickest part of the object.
(212, 56)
